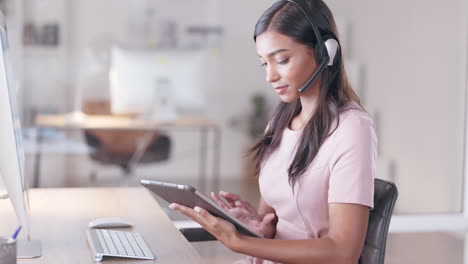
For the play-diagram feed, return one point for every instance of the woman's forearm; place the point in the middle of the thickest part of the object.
(310, 251)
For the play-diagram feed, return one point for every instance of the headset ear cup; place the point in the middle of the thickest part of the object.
(330, 49)
(332, 46)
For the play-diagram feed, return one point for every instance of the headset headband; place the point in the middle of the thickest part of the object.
(307, 13)
(326, 49)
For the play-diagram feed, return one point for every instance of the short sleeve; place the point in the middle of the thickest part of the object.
(352, 165)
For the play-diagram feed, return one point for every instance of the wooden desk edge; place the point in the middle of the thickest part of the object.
(119, 122)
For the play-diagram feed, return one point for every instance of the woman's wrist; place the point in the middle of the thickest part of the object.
(237, 243)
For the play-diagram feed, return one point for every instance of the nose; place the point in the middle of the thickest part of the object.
(272, 75)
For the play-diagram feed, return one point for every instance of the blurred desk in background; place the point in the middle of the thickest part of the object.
(112, 122)
(59, 146)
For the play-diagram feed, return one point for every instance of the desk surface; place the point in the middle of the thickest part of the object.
(59, 218)
(118, 122)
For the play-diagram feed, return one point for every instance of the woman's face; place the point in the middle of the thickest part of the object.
(288, 64)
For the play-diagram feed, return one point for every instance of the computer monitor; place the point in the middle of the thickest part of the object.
(12, 153)
(157, 82)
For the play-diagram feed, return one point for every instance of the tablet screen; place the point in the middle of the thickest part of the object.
(190, 197)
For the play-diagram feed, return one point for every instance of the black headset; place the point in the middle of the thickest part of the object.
(326, 48)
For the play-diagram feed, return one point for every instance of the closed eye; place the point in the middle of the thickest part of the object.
(284, 61)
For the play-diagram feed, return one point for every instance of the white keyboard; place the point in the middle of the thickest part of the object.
(111, 243)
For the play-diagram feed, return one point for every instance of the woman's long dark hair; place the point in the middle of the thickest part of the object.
(335, 96)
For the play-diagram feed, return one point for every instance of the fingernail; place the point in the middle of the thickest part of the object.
(172, 206)
(197, 209)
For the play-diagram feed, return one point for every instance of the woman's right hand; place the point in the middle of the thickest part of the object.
(246, 213)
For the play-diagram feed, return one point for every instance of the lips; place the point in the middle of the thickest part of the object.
(281, 89)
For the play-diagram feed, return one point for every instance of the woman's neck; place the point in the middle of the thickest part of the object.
(308, 105)
(309, 101)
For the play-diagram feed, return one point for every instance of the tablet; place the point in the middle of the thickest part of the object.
(190, 197)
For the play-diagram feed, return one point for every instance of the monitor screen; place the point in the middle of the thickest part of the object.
(12, 154)
(151, 81)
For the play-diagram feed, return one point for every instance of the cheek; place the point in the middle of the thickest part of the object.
(289, 75)
(294, 78)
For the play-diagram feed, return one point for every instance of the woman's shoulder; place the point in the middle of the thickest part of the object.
(354, 120)
(354, 112)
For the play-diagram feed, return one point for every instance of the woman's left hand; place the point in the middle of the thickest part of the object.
(223, 230)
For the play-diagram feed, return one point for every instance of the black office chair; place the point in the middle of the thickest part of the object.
(158, 150)
(385, 195)
(123, 148)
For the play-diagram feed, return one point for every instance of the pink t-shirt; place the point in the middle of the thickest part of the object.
(342, 172)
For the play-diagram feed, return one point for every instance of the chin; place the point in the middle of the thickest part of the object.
(288, 98)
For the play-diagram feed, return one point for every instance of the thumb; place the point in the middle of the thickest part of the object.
(268, 218)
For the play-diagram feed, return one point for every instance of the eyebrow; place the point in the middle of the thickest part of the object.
(275, 52)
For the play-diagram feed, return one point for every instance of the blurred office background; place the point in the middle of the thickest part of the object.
(406, 59)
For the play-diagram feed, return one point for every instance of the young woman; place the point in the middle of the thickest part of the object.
(316, 159)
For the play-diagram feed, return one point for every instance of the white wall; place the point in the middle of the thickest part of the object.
(414, 55)
(44, 70)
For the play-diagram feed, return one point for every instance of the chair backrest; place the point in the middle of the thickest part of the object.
(117, 142)
(385, 195)
(123, 147)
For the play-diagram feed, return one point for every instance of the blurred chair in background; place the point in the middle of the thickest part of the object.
(123, 148)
